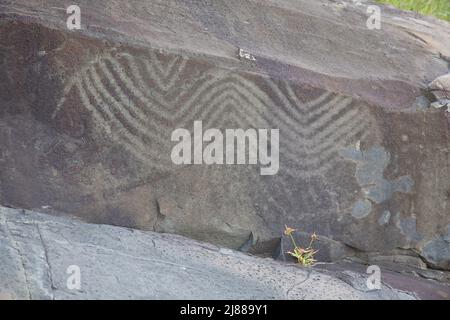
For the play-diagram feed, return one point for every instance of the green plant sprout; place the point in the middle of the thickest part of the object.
(304, 256)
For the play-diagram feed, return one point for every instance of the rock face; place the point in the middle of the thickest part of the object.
(440, 87)
(439, 90)
(39, 254)
(86, 118)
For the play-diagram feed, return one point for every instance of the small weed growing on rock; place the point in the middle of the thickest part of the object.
(304, 256)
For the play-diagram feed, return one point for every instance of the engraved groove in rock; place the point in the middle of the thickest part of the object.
(118, 131)
(217, 99)
(126, 82)
(125, 109)
(237, 86)
(312, 146)
(140, 100)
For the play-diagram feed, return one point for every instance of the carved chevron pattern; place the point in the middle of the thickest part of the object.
(139, 100)
(315, 131)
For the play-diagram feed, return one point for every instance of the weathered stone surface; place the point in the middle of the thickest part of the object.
(120, 263)
(86, 118)
(440, 87)
(440, 92)
(437, 251)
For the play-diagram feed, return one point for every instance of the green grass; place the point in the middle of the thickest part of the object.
(437, 8)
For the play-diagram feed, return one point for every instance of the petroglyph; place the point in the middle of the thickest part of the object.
(315, 131)
(138, 100)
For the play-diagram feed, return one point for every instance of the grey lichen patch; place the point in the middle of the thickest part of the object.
(370, 166)
(447, 236)
(437, 251)
(408, 227)
(361, 208)
(421, 103)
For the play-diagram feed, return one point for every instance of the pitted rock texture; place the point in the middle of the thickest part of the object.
(86, 118)
(38, 253)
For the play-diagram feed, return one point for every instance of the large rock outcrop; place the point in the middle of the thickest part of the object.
(86, 118)
(40, 255)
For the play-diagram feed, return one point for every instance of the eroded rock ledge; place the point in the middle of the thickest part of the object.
(36, 251)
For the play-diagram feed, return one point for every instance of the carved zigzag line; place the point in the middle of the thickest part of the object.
(311, 133)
